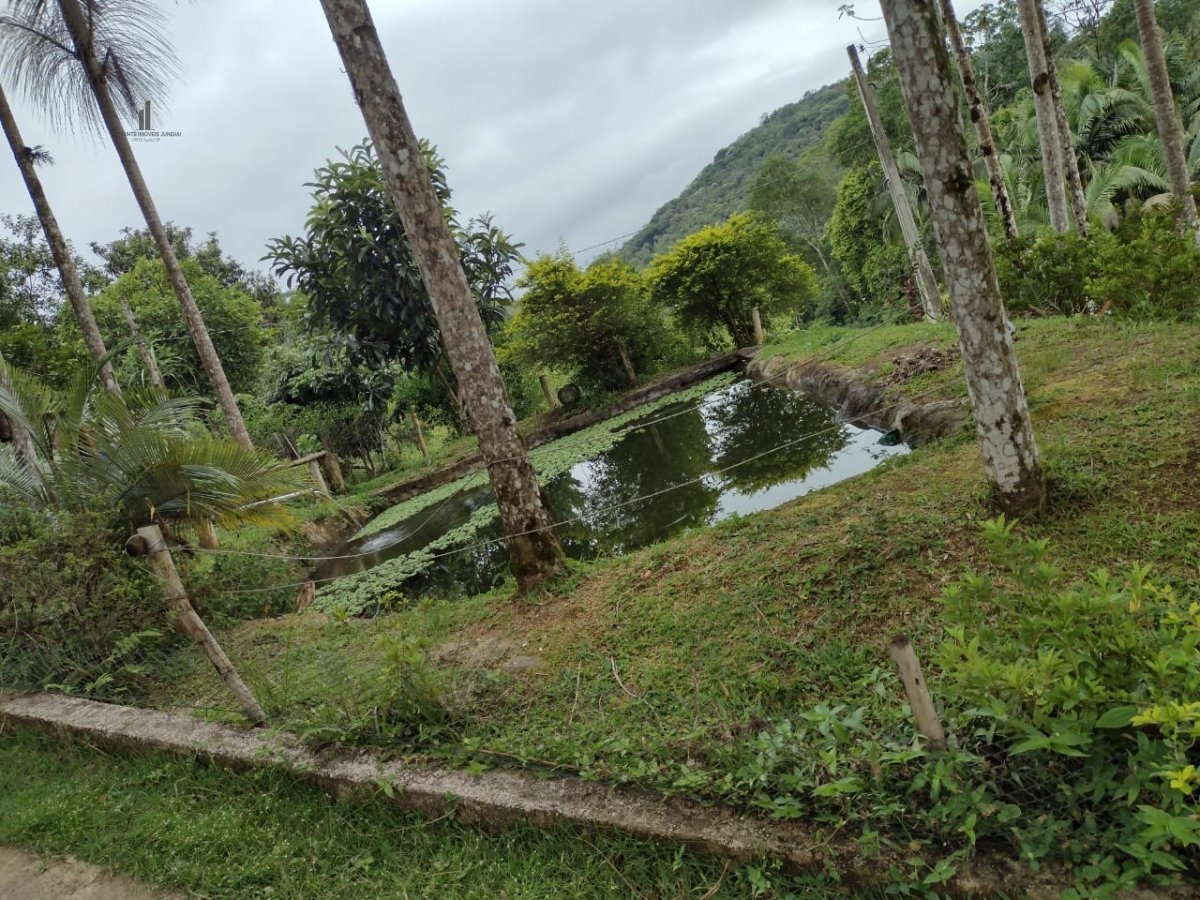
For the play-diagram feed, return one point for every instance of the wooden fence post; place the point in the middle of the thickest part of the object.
(332, 467)
(419, 433)
(919, 700)
(544, 381)
(149, 542)
(758, 329)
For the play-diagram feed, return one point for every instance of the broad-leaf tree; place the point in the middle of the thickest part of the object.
(1002, 421)
(713, 279)
(116, 52)
(356, 267)
(235, 318)
(534, 549)
(589, 322)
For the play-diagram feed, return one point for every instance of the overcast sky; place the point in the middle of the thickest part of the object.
(569, 121)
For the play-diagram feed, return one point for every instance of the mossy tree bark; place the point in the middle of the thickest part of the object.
(982, 122)
(1047, 121)
(533, 547)
(1002, 422)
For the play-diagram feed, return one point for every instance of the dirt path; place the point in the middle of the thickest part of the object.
(24, 876)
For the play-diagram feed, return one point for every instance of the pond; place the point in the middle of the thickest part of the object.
(740, 448)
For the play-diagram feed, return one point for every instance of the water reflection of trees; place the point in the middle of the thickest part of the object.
(649, 486)
(750, 419)
(626, 503)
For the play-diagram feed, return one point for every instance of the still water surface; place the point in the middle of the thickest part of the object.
(740, 449)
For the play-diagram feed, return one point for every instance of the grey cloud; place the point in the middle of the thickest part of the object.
(566, 120)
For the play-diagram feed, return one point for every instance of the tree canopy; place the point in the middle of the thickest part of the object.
(233, 316)
(355, 264)
(582, 321)
(713, 279)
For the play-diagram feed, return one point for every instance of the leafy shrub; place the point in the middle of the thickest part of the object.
(1074, 720)
(1153, 271)
(1088, 695)
(1048, 274)
(75, 612)
(402, 701)
(1148, 269)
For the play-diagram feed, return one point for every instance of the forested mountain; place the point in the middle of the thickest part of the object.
(723, 186)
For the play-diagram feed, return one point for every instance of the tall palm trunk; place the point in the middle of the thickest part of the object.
(533, 547)
(1169, 130)
(58, 246)
(77, 24)
(1079, 205)
(1047, 121)
(931, 295)
(1002, 423)
(983, 125)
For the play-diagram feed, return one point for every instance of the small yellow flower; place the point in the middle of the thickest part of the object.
(1184, 779)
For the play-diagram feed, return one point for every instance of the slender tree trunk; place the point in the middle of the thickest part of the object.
(1047, 122)
(1002, 423)
(76, 22)
(156, 378)
(1079, 206)
(58, 248)
(931, 295)
(533, 547)
(1169, 130)
(983, 125)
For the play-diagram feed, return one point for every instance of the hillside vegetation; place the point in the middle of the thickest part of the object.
(723, 186)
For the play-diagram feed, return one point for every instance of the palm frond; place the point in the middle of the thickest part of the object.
(43, 62)
(145, 455)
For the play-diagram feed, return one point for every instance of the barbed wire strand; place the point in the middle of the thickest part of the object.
(581, 517)
(829, 352)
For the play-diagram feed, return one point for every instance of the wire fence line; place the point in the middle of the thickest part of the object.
(825, 354)
(117, 662)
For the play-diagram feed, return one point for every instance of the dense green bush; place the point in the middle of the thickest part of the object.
(75, 611)
(1073, 718)
(1086, 703)
(1048, 274)
(1148, 269)
(876, 267)
(1151, 271)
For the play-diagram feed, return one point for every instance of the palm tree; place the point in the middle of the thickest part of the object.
(1169, 130)
(27, 158)
(1047, 122)
(533, 548)
(983, 127)
(1070, 161)
(1002, 422)
(117, 51)
(145, 456)
(931, 294)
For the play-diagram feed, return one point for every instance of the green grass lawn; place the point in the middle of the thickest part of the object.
(659, 667)
(685, 666)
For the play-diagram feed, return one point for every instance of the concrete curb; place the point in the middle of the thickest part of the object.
(490, 799)
(496, 799)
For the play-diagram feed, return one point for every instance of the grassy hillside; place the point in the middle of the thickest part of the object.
(723, 186)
